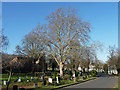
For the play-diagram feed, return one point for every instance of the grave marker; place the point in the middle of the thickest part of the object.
(57, 79)
(19, 79)
(32, 78)
(50, 80)
(4, 82)
(35, 85)
(27, 80)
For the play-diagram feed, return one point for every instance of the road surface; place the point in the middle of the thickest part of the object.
(104, 81)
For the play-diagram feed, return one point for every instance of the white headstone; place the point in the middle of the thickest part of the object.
(74, 75)
(50, 80)
(57, 80)
(19, 79)
(42, 77)
(27, 80)
(79, 68)
(32, 78)
(4, 82)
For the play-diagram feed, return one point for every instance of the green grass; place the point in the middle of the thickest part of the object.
(31, 83)
(68, 83)
(14, 79)
(118, 88)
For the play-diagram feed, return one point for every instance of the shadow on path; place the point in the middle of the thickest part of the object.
(103, 75)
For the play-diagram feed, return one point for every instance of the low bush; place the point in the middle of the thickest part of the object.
(66, 77)
(68, 72)
(48, 73)
(84, 77)
(94, 73)
(77, 74)
(54, 76)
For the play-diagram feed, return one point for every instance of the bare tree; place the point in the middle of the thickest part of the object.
(118, 63)
(3, 41)
(32, 46)
(74, 57)
(89, 53)
(114, 57)
(64, 27)
(18, 50)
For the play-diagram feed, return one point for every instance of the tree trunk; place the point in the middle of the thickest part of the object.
(61, 69)
(72, 71)
(9, 79)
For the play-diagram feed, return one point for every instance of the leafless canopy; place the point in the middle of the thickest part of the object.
(63, 28)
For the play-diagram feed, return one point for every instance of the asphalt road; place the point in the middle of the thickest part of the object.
(104, 81)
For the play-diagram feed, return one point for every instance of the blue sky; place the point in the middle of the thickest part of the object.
(18, 19)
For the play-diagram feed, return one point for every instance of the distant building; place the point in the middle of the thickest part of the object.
(91, 67)
(112, 70)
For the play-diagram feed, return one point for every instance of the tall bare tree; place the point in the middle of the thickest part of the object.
(31, 47)
(3, 41)
(64, 27)
(114, 57)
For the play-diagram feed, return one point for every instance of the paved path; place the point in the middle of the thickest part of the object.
(104, 81)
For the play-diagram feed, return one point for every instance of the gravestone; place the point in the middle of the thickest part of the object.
(35, 85)
(32, 78)
(42, 77)
(19, 79)
(27, 80)
(57, 79)
(4, 82)
(74, 74)
(50, 80)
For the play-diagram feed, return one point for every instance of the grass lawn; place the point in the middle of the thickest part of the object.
(30, 84)
(14, 79)
(118, 86)
(69, 83)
